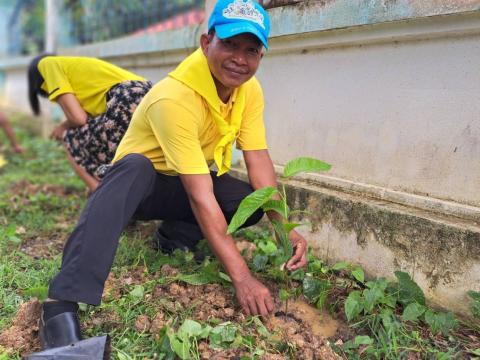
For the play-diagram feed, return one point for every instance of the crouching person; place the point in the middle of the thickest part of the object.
(161, 170)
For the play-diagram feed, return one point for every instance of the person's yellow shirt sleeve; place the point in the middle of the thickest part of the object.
(252, 130)
(55, 80)
(176, 130)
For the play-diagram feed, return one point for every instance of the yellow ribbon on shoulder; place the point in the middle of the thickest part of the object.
(195, 73)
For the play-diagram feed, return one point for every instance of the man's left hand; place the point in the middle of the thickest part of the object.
(299, 258)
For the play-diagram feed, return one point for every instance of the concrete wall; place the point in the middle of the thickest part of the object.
(399, 111)
(386, 91)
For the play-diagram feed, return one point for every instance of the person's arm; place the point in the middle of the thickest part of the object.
(74, 112)
(252, 295)
(261, 174)
(5, 124)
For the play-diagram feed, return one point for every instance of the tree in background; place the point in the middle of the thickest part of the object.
(89, 20)
(94, 20)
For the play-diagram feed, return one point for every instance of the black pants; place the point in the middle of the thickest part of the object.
(131, 188)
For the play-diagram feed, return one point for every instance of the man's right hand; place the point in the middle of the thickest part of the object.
(253, 296)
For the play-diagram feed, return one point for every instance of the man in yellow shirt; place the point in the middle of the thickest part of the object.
(161, 170)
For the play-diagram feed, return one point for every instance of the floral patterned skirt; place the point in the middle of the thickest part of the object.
(94, 144)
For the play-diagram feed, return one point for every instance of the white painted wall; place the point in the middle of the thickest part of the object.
(403, 115)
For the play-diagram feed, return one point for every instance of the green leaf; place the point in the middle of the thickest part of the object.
(283, 239)
(412, 312)
(313, 288)
(259, 262)
(353, 305)
(122, 356)
(15, 239)
(409, 291)
(475, 352)
(389, 320)
(304, 164)
(475, 307)
(440, 322)
(224, 276)
(363, 340)
(268, 247)
(205, 332)
(290, 226)
(298, 274)
(279, 206)
(322, 300)
(189, 329)
(283, 294)
(372, 297)
(138, 292)
(195, 279)
(249, 205)
(181, 347)
(340, 266)
(358, 274)
(222, 335)
(261, 329)
(40, 292)
(11, 230)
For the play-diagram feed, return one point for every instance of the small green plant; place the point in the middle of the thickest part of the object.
(475, 307)
(184, 342)
(9, 234)
(270, 199)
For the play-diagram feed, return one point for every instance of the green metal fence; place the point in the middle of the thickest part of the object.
(88, 21)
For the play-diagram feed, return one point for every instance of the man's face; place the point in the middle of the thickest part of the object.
(234, 60)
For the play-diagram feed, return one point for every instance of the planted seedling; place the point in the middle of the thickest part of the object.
(271, 199)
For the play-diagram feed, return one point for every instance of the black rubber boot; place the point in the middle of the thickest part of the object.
(60, 330)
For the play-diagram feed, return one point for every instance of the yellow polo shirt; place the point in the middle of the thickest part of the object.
(174, 128)
(89, 79)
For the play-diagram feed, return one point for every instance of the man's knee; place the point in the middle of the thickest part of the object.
(137, 163)
(132, 168)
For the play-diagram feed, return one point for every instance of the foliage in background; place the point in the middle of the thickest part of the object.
(87, 20)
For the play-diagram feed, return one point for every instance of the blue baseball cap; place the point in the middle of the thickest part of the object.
(233, 17)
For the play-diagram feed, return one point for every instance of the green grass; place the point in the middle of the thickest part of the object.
(41, 198)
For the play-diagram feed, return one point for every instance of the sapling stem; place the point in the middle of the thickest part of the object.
(288, 288)
(284, 201)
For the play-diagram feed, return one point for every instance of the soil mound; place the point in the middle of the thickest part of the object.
(22, 336)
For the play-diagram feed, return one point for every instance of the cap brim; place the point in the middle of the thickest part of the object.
(228, 30)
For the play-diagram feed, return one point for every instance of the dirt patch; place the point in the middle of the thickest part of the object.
(24, 189)
(44, 246)
(305, 330)
(22, 336)
(320, 322)
(246, 248)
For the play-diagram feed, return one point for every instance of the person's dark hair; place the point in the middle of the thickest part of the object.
(35, 81)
